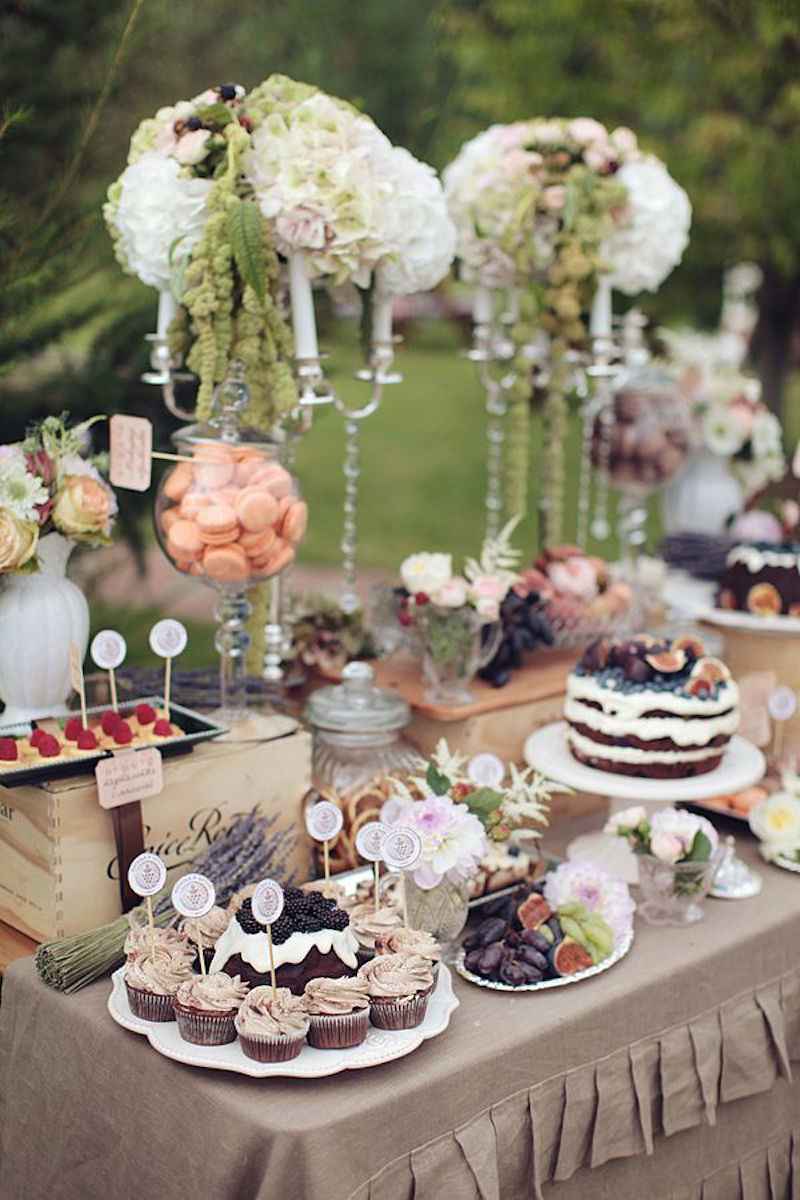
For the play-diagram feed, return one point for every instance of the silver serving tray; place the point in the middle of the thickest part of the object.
(546, 984)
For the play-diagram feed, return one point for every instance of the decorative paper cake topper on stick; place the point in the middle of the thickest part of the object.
(168, 639)
(402, 850)
(486, 770)
(76, 678)
(267, 906)
(146, 876)
(108, 651)
(324, 823)
(131, 452)
(193, 896)
(781, 705)
(369, 844)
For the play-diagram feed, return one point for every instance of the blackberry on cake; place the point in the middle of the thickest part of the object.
(650, 707)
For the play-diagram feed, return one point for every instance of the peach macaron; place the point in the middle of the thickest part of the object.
(226, 564)
(256, 509)
(184, 541)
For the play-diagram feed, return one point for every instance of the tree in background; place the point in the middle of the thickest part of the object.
(712, 86)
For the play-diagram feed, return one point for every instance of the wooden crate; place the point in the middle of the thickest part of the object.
(58, 867)
(747, 652)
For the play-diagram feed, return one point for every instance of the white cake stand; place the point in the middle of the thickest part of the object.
(547, 750)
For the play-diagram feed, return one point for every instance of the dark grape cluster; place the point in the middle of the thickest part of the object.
(524, 628)
(303, 912)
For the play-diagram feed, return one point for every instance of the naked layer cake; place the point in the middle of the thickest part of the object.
(652, 708)
(762, 578)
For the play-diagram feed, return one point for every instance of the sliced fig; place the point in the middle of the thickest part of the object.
(533, 912)
(764, 600)
(569, 957)
(726, 599)
(713, 670)
(668, 662)
(691, 645)
(698, 687)
(637, 670)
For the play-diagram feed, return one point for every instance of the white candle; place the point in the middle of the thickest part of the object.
(600, 320)
(482, 306)
(166, 312)
(382, 317)
(303, 324)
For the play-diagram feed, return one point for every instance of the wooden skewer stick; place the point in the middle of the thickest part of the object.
(376, 867)
(152, 924)
(171, 457)
(167, 685)
(112, 682)
(200, 951)
(405, 903)
(327, 860)
(271, 962)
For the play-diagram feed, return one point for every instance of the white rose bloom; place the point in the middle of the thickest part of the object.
(426, 573)
(777, 822)
(722, 433)
(766, 435)
(683, 825)
(654, 232)
(157, 205)
(416, 227)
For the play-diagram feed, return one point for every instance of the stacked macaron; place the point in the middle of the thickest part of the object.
(232, 514)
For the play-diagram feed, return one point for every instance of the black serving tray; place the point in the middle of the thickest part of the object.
(196, 728)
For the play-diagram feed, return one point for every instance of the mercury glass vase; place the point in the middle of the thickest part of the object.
(673, 893)
(441, 911)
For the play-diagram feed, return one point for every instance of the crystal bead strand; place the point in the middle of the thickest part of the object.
(352, 470)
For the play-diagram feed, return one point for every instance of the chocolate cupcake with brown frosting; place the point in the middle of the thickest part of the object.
(208, 930)
(369, 925)
(411, 941)
(339, 1012)
(272, 1028)
(205, 1007)
(399, 986)
(153, 974)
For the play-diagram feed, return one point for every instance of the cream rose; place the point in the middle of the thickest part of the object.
(83, 506)
(452, 594)
(426, 573)
(18, 541)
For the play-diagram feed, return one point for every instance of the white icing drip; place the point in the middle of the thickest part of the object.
(254, 947)
(629, 706)
(682, 731)
(755, 560)
(629, 754)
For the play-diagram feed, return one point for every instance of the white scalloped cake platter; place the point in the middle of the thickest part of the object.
(727, 618)
(548, 751)
(381, 1045)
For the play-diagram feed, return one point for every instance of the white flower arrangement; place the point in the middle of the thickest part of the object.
(651, 234)
(418, 236)
(429, 578)
(735, 424)
(776, 821)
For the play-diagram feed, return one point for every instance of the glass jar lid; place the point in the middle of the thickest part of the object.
(228, 409)
(356, 705)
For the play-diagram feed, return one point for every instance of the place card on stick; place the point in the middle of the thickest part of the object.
(369, 844)
(76, 678)
(147, 876)
(108, 652)
(168, 639)
(781, 705)
(193, 896)
(267, 906)
(402, 850)
(486, 770)
(324, 823)
(131, 453)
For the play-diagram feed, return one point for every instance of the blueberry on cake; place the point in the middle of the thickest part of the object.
(762, 578)
(659, 709)
(311, 939)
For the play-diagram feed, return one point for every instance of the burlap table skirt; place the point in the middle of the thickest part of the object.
(670, 1076)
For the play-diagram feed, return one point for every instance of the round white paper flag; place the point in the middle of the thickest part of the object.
(108, 649)
(486, 770)
(267, 901)
(402, 848)
(324, 821)
(168, 638)
(193, 895)
(782, 704)
(147, 874)
(370, 839)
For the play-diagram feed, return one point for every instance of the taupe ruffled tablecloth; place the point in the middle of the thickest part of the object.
(668, 1077)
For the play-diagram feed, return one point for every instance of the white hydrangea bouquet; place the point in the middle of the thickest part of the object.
(219, 189)
(735, 424)
(548, 207)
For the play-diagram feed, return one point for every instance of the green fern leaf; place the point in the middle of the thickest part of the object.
(245, 232)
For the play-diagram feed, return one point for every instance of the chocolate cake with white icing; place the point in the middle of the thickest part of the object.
(312, 939)
(762, 578)
(652, 708)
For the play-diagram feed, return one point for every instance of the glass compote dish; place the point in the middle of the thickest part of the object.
(230, 514)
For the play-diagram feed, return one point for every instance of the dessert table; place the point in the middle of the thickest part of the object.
(668, 1076)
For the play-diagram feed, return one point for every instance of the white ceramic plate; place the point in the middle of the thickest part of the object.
(590, 972)
(381, 1046)
(727, 618)
(547, 750)
(786, 864)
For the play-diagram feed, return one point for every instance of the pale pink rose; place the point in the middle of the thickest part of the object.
(452, 594)
(518, 162)
(574, 577)
(192, 147)
(625, 140)
(667, 847)
(743, 414)
(488, 610)
(597, 157)
(488, 587)
(301, 228)
(554, 197)
(166, 141)
(585, 130)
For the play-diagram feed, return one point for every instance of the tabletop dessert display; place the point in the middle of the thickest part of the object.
(661, 709)
(571, 925)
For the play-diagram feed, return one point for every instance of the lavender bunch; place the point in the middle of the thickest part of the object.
(249, 850)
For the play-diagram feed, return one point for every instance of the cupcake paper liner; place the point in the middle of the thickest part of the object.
(205, 1028)
(393, 1014)
(150, 1006)
(271, 1049)
(337, 1032)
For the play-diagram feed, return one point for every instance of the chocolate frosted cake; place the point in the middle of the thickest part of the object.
(762, 578)
(656, 709)
(311, 939)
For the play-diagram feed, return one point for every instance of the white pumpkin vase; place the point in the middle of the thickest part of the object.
(703, 498)
(40, 615)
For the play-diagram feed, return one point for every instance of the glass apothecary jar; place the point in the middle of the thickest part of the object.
(357, 729)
